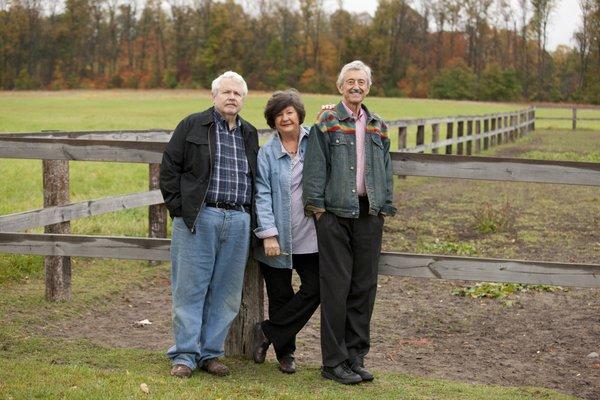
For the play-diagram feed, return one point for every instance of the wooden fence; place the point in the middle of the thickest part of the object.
(574, 118)
(473, 133)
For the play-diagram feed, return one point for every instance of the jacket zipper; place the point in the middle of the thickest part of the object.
(210, 164)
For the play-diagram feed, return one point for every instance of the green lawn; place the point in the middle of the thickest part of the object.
(542, 112)
(34, 366)
(113, 110)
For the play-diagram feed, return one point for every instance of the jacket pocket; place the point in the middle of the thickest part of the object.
(342, 169)
(197, 156)
(378, 172)
(378, 152)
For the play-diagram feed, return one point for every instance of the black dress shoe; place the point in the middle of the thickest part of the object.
(358, 367)
(261, 344)
(341, 373)
(287, 364)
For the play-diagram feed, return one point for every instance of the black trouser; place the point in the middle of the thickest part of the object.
(289, 311)
(349, 251)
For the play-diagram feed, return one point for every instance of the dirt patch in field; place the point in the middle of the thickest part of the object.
(536, 339)
(418, 328)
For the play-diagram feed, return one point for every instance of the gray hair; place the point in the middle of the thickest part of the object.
(216, 84)
(354, 65)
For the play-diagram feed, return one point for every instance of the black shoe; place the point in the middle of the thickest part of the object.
(261, 344)
(341, 373)
(358, 367)
(287, 364)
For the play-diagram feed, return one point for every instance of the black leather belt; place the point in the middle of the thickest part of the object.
(229, 206)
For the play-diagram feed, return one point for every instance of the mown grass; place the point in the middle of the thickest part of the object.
(34, 366)
(121, 373)
(123, 109)
(566, 112)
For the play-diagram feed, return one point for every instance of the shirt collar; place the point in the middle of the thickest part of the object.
(351, 113)
(344, 112)
(280, 150)
(221, 121)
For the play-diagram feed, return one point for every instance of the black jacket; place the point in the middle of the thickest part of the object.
(187, 165)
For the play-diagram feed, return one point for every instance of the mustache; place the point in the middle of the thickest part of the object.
(356, 91)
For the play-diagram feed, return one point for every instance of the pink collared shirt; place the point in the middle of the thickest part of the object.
(360, 128)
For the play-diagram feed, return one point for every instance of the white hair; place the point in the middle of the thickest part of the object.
(216, 84)
(356, 65)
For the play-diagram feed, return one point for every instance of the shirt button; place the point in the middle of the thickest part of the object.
(351, 143)
(352, 167)
(353, 190)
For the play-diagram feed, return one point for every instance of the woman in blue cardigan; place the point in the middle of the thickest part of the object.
(288, 236)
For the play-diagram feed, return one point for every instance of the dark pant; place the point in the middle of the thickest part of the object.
(349, 251)
(289, 311)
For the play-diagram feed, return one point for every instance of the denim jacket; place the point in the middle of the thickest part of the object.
(329, 181)
(273, 199)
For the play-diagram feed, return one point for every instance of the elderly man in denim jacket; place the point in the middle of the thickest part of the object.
(348, 188)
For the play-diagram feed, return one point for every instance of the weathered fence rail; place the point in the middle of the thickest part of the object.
(574, 118)
(147, 146)
(473, 134)
(398, 264)
(482, 130)
(55, 214)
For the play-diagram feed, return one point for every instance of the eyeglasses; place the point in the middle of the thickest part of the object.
(352, 82)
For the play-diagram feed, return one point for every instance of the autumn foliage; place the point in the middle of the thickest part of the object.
(467, 49)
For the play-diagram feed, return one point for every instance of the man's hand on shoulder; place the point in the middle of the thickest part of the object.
(324, 107)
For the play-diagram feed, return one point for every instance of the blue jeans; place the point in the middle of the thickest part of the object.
(207, 276)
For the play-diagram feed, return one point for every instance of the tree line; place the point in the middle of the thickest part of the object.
(460, 49)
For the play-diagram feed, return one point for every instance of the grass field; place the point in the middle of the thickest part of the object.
(567, 113)
(36, 366)
(113, 110)
(435, 217)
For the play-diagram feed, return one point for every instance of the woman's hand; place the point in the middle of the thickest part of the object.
(271, 246)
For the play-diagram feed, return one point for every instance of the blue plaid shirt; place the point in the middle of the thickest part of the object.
(230, 181)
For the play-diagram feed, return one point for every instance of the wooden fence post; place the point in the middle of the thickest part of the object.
(469, 145)
(574, 118)
(56, 193)
(478, 132)
(420, 136)
(493, 128)
(402, 138)
(506, 131)
(520, 123)
(240, 337)
(449, 129)
(402, 133)
(486, 129)
(513, 130)
(435, 137)
(157, 214)
(460, 130)
(499, 127)
(532, 126)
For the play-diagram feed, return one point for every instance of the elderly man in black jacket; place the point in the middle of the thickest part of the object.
(207, 181)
